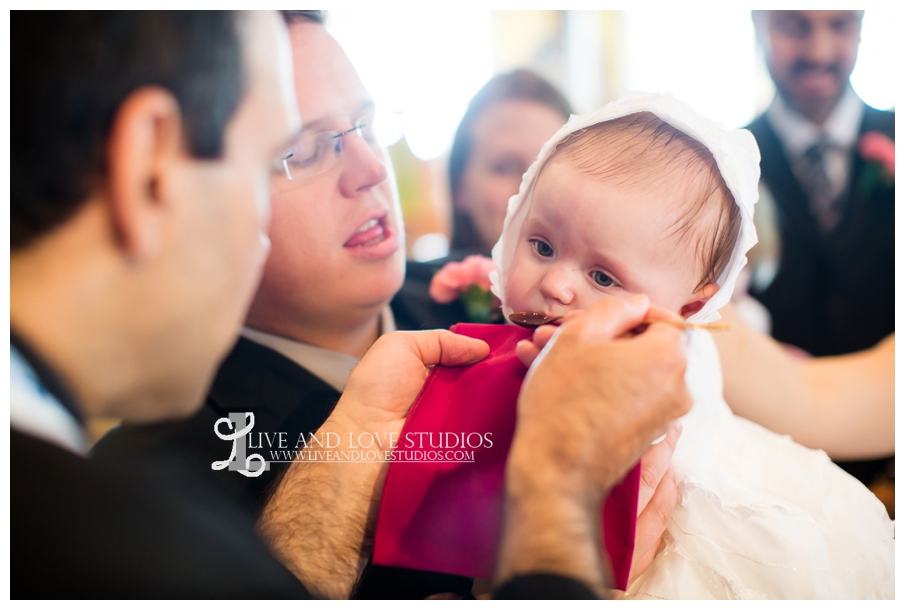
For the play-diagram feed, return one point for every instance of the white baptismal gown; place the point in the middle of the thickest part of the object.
(760, 516)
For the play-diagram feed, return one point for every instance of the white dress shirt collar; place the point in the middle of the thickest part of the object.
(797, 133)
(332, 367)
(34, 411)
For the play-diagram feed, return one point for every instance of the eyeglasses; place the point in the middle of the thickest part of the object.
(318, 152)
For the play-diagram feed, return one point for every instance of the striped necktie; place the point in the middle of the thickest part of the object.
(811, 171)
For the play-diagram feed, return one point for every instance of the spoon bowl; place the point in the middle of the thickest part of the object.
(531, 319)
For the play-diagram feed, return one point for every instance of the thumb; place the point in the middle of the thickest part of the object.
(611, 317)
(443, 347)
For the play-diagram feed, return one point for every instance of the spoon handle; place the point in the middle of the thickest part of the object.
(692, 325)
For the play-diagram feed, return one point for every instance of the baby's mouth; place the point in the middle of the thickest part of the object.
(370, 233)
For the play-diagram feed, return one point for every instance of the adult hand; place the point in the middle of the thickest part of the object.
(592, 402)
(383, 386)
(657, 493)
(657, 497)
(320, 519)
(528, 349)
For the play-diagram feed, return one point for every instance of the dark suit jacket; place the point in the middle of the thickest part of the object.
(284, 398)
(833, 293)
(415, 310)
(82, 530)
(79, 529)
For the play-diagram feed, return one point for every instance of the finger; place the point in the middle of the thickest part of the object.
(543, 335)
(442, 347)
(655, 463)
(665, 330)
(654, 313)
(575, 313)
(612, 316)
(669, 345)
(658, 313)
(652, 523)
(540, 338)
(527, 351)
(666, 338)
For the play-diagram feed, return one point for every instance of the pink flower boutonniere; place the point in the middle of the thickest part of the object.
(468, 281)
(880, 153)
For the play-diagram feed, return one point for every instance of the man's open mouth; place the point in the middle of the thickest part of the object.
(370, 233)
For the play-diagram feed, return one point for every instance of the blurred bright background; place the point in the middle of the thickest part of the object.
(428, 64)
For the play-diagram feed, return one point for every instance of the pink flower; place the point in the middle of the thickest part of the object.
(874, 146)
(455, 278)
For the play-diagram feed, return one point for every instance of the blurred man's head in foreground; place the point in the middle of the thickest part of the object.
(141, 156)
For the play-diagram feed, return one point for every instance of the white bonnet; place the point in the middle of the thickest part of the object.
(734, 150)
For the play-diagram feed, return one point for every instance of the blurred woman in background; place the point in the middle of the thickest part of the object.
(507, 122)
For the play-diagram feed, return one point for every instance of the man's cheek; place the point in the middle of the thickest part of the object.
(262, 202)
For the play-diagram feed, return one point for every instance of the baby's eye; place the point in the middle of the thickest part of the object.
(602, 279)
(542, 248)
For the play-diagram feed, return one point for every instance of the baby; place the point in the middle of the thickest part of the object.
(644, 196)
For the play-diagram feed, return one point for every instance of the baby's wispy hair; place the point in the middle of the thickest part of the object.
(642, 149)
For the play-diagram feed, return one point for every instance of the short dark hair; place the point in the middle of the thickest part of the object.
(70, 73)
(291, 17)
(519, 84)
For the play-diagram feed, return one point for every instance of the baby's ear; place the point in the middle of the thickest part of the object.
(698, 299)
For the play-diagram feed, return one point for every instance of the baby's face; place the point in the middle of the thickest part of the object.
(585, 237)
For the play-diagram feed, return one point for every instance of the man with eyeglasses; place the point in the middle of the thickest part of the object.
(337, 260)
(332, 285)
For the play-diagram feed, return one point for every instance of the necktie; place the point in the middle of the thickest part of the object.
(811, 170)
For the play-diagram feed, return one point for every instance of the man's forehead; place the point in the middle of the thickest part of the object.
(327, 86)
(269, 87)
(816, 17)
(331, 119)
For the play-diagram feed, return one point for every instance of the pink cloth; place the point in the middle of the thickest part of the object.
(446, 516)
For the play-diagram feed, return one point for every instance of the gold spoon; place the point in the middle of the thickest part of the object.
(528, 319)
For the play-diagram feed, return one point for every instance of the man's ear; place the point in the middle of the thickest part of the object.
(698, 300)
(145, 144)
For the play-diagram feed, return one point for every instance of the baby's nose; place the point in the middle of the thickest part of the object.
(558, 286)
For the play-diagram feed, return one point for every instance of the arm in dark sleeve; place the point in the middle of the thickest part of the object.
(543, 586)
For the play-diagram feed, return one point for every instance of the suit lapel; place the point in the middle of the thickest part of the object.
(776, 172)
(283, 396)
(861, 196)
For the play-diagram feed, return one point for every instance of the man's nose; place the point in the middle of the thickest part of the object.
(819, 47)
(364, 166)
(558, 287)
